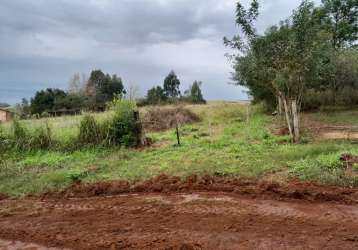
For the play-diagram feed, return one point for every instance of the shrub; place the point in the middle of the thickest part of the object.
(41, 139)
(90, 132)
(4, 141)
(20, 136)
(124, 127)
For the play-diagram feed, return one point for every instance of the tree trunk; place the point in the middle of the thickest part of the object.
(279, 108)
(288, 117)
(295, 118)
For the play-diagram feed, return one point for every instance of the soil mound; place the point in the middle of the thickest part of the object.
(3, 196)
(158, 119)
(243, 186)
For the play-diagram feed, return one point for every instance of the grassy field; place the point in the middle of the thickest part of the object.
(226, 142)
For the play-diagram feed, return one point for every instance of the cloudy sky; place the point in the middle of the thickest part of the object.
(44, 42)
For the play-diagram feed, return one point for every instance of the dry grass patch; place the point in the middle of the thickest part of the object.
(159, 119)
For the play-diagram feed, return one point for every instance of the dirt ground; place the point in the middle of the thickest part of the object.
(197, 213)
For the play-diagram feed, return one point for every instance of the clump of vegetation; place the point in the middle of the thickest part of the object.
(124, 128)
(89, 94)
(41, 138)
(170, 93)
(194, 94)
(90, 132)
(158, 119)
(20, 136)
(325, 168)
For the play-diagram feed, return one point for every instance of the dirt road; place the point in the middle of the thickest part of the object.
(190, 220)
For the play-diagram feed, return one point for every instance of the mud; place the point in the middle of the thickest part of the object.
(16, 245)
(241, 186)
(3, 196)
(205, 220)
(195, 213)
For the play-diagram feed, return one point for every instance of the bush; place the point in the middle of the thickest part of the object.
(125, 127)
(41, 139)
(90, 132)
(20, 136)
(4, 141)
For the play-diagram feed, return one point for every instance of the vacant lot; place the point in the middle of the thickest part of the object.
(226, 142)
(239, 184)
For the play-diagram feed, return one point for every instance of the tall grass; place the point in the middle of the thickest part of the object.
(120, 128)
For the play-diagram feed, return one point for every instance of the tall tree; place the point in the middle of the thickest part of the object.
(343, 21)
(171, 85)
(194, 94)
(44, 100)
(103, 87)
(283, 62)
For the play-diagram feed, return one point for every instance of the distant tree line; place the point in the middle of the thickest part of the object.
(90, 94)
(306, 61)
(170, 92)
(93, 93)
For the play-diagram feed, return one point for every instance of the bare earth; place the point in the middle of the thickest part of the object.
(196, 219)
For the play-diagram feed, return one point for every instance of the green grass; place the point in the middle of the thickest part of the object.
(64, 128)
(224, 143)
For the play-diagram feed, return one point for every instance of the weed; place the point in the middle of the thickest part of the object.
(89, 132)
(41, 138)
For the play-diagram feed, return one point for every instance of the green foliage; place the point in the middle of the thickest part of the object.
(24, 140)
(311, 52)
(171, 85)
(76, 175)
(124, 127)
(156, 95)
(89, 133)
(244, 19)
(20, 136)
(326, 168)
(41, 138)
(105, 87)
(45, 100)
(342, 18)
(194, 95)
(99, 89)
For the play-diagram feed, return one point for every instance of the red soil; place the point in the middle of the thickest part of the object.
(197, 213)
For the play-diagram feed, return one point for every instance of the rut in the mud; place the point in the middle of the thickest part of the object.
(191, 220)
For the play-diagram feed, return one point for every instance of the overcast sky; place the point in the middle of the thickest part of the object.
(44, 42)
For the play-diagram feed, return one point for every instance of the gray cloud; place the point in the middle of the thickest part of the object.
(43, 42)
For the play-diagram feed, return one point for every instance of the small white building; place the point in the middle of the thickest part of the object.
(5, 115)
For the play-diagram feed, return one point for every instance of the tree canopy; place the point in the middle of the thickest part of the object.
(171, 85)
(297, 56)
